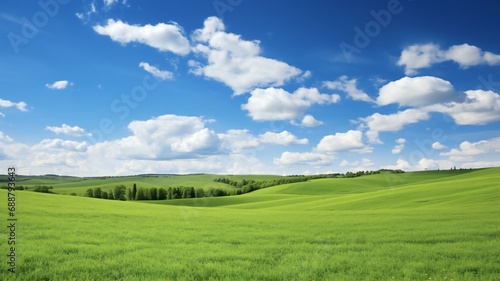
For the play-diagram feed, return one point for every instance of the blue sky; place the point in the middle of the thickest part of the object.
(114, 87)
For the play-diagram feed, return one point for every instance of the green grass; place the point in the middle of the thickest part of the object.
(420, 226)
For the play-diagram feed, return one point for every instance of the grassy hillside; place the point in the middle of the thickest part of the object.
(378, 191)
(421, 226)
(67, 185)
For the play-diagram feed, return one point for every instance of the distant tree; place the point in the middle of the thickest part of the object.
(200, 193)
(162, 194)
(89, 192)
(170, 193)
(134, 191)
(153, 193)
(119, 192)
(176, 193)
(111, 196)
(192, 192)
(72, 194)
(104, 195)
(209, 192)
(140, 194)
(97, 192)
(129, 194)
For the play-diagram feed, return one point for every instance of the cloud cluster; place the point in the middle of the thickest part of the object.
(419, 56)
(65, 129)
(324, 152)
(348, 86)
(21, 106)
(468, 150)
(399, 147)
(425, 95)
(236, 62)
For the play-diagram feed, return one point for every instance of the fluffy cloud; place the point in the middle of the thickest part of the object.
(60, 144)
(438, 146)
(468, 150)
(394, 122)
(417, 91)
(283, 138)
(163, 37)
(426, 163)
(303, 158)
(400, 165)
(160, 74)
(278, 104)
(67, 130)
(238, 140)
(308, 121)
(59, 85)
(480, 107)
(348, 86)
(236, 62)
(163, 137)
(425, 55)
(19, 105)
(399, 147)
(363, 165)
(351, 140)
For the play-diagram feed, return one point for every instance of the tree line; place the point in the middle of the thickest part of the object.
(123, 193)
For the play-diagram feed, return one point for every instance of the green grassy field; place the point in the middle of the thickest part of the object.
(415, 226)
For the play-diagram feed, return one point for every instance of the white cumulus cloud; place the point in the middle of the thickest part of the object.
(236, 62)
(59, 85)
(19, 105)
(419, 56)
(67, 130)
(163, 37)
(307, 121)
(351, 140)
(437, 145)
(277, 104)
(303, 158)
(480, 107)
(417, 91)
(467, 150)
(394, 122)
(399, 147)
(282, 138)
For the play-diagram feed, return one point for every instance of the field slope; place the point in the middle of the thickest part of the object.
(415, 226)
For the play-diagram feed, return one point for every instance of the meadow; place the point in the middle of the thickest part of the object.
(433, 225)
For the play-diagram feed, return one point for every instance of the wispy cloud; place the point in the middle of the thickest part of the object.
(160, 74)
